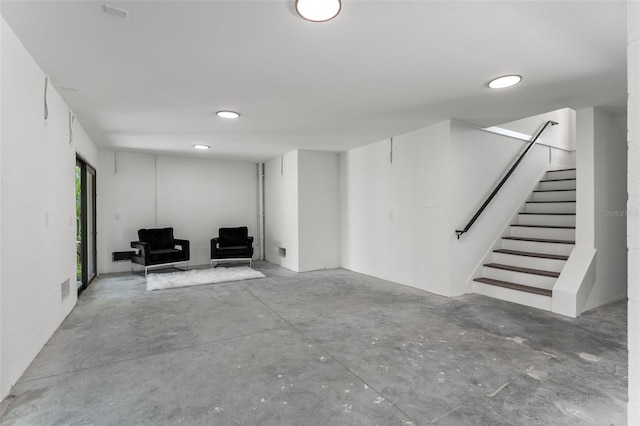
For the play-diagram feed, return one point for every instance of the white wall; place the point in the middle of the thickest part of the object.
(2, 386)
(37, 226)
(610, 211)
(281, 210)
(125, 203)
(596, 270)
(395, 222)
(479, 161)
(198, 196)
(302, 210)
(194, 196)
(633, 209)
(318, 212)
(585, 178)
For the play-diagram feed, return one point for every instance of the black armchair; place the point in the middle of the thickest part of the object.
(232, 244)
(158, 248)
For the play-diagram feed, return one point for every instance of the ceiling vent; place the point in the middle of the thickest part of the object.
(120, 13)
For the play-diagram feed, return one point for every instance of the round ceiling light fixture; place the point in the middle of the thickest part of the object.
(227, 114)
(318, 10)
(201, 146)
(505, 81)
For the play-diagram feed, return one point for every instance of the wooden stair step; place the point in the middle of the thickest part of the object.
(562, 214)
(554, 190)
(530, 254)
(563, 201)
(556, 180)
(545, 226)
(523, 270)
(514, 286)
(540, 240)
(561, 170)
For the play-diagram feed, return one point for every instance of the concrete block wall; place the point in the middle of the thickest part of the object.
(302, 213)
(281, 211)
(395, 201)
(38, 204)
(633, 209)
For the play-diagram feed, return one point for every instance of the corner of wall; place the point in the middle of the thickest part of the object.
(318, 210)
(575, 283)
(281, 210)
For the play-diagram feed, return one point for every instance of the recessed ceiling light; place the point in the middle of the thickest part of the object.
(318, 10)
(505, 81)
(201, 146)
(227, 114)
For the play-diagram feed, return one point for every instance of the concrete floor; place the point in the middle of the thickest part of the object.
(320, 348)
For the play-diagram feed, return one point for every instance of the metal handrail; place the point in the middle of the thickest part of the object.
(504, 179)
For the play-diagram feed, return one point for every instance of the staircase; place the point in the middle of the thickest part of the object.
(526, 266)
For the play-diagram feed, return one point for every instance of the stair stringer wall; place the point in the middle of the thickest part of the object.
(575, 282)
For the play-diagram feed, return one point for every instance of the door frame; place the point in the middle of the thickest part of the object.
(86, 168)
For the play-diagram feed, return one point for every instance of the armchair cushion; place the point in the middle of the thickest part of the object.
(233, 237)
(159, 239)
(165, 255)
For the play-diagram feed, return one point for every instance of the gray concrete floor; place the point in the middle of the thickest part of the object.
(320, 348)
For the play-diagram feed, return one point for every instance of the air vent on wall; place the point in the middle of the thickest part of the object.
(119, 256)
(120, 13)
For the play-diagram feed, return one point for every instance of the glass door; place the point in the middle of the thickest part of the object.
(86, 269)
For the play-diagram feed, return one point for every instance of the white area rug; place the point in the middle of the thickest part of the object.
(201, 276)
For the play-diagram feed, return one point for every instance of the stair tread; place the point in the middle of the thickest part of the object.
(514, 286)
(561, 170)
(531, 254)
(554, 201)
(556, 180)
(554, 190)
(539, 240)
(532, 271)
(544, 226)
(561, 214)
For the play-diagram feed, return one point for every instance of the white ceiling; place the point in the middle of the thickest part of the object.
(153, 82)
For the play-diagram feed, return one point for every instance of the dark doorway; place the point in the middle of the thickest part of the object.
(86, 269)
